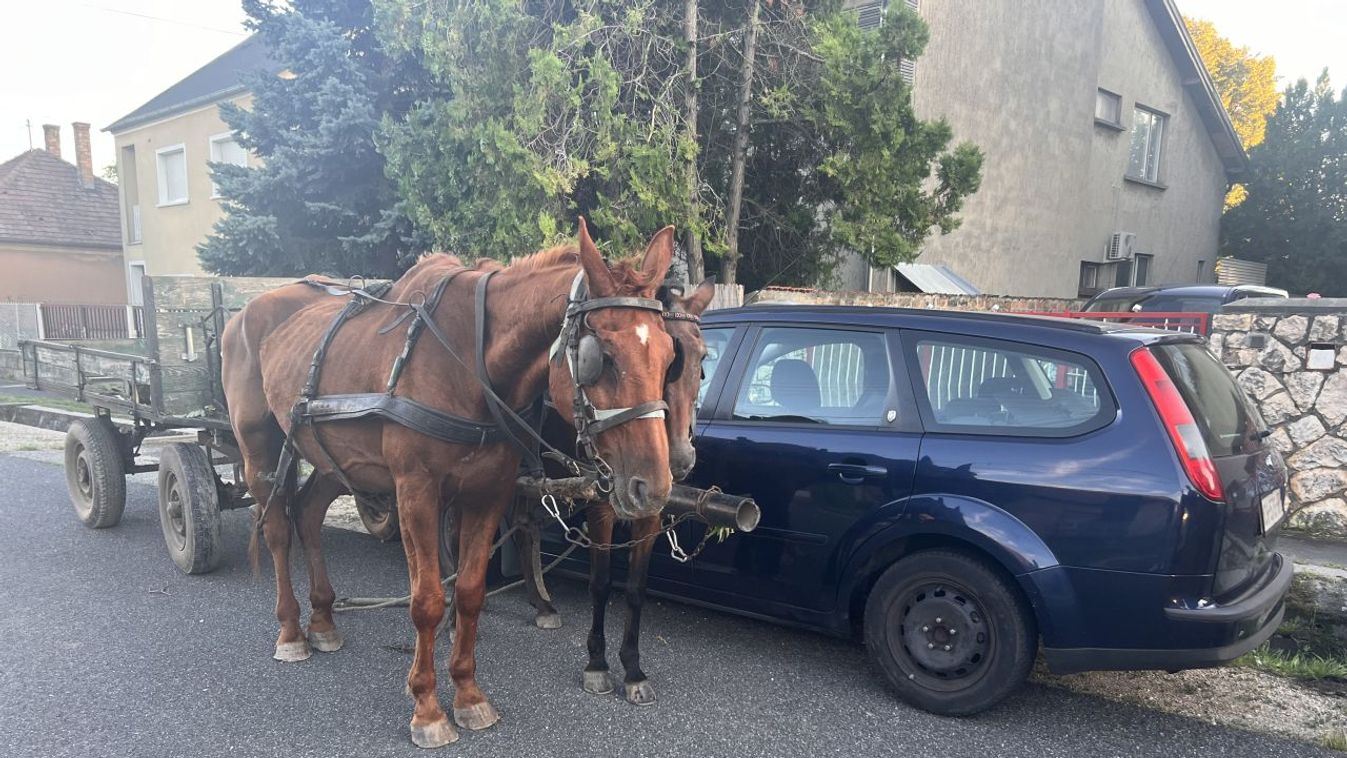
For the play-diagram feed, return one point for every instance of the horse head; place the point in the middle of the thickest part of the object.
(684, 380)
(617, 356)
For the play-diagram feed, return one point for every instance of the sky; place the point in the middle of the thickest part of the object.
(97, 60)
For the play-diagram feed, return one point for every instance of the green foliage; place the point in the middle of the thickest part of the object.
(880, 154)
(320, 201)
(535, 122)
(538, 112)
(1295, 215)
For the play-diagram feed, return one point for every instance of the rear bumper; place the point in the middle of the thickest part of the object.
(1225, 631)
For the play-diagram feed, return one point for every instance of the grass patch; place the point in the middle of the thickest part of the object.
(1295, 665)
(28, 446)
(1335, 741)
(46, 400)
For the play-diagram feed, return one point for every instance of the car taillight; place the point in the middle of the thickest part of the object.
(1179, 422)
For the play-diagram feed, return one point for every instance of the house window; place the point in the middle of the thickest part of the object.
(1201, 271)
(870, 15)
(172, 169)
(1108, 108)
(225, 149)
(1148, 133)
(1091, 279)
(1134, 273)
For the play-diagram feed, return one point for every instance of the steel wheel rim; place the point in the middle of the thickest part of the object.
(943, 637)
(82, 482)
(175, 520)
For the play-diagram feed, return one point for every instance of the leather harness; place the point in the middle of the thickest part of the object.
(507, 425)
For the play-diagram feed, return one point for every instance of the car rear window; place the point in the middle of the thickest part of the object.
(1229, 423)
(983, 386)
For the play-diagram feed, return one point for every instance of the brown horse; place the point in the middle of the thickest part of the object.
(683, 383)
(264, 369)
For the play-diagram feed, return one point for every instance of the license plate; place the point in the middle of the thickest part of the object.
(1273, 510)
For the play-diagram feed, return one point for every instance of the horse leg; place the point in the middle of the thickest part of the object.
(528, 541)
(419, 516)
(596, 678)
(477, 532)
(291, 645)
(635, 686)
(317, 498)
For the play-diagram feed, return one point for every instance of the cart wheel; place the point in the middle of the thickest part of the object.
(189, 507)
(380, 519)
(94, 472)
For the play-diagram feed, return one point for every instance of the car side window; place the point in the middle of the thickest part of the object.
(993, 387)
(823, 376)
(716, 339)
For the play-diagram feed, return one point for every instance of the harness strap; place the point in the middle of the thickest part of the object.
(607, 419)
(535, 462)
(405, 412)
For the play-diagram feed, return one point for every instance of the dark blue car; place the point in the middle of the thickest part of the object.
(959, 489)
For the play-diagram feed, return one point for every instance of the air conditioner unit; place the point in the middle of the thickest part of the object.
(1119, 247)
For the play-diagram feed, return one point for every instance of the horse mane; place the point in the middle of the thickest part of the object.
(627, 273)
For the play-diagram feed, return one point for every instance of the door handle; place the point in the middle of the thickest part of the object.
(857, 473)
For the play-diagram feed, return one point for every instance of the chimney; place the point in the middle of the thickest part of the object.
(84, 159)
(51, 133)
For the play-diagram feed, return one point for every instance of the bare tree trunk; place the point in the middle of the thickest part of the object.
(729, 268)
(696, 262)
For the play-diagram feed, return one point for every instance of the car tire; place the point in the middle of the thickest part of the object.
(379, 516)
(189, 508)
(949, 632)
(95, 473)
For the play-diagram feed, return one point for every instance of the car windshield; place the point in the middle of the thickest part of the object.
(1229, 424)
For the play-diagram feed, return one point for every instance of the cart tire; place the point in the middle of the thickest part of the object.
(382, 524)
(95, 473)
(189, 507)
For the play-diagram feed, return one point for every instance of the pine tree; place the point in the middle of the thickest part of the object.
(1295, 216)
(320, 201)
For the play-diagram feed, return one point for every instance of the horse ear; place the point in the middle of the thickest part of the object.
(601, 282)
(701, 297)
(658, 254)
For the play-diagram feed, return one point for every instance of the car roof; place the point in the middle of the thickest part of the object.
(986, 322)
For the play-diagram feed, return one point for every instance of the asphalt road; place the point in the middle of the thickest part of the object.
(106, 650)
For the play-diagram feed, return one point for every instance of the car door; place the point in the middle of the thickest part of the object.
(819, 427)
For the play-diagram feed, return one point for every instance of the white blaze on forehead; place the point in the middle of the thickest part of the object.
(643, 333)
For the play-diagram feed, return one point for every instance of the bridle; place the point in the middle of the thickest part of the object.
(585, 358)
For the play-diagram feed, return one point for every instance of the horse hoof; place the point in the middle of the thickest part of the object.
(639, 693)
(597, 682)
(475, 717)
(292, 652)
(434, 734)
(326, 642)
(548, 620)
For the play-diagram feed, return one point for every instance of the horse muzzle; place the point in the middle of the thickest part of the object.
(636, 498)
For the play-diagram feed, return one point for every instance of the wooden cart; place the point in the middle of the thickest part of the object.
(165, 382)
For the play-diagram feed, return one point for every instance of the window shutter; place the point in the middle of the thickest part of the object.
(869, 13)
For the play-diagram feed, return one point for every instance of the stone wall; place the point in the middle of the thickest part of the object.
(1289, 355)
(805, 296)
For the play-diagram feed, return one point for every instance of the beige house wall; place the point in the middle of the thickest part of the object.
(1018, 78)
(61, 275)
(170, 233)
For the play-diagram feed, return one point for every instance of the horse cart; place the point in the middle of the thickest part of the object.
(167, 382)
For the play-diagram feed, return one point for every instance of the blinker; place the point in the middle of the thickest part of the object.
(589, 361)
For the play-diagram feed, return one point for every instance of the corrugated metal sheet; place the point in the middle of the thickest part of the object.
(1237, 271)
(936, 279)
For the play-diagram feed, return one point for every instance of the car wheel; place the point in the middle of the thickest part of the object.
(949, 632)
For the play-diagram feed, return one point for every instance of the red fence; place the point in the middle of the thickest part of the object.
(90, 322)
(1193, 323)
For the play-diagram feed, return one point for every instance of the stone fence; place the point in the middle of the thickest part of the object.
(1290, 357)
(804, 296)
